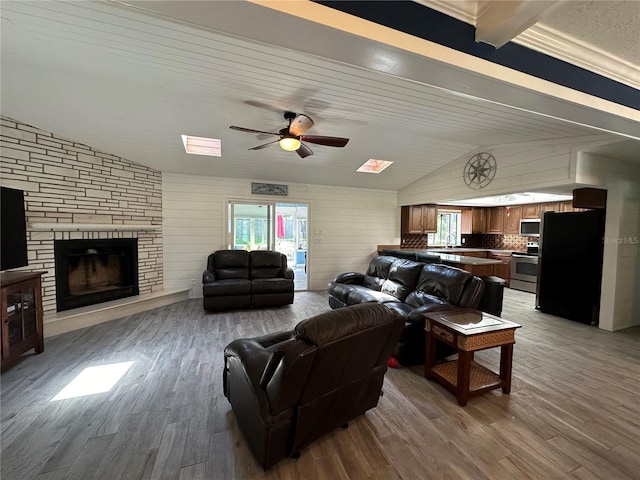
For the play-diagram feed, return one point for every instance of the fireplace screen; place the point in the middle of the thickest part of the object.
(95, 271)
(92, 272)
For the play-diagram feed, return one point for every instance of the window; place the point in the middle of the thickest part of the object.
(288, 228)
(302, 234)
(243, 231)
(251, 232)
(250, 226)
(449, 229)
(260, 230)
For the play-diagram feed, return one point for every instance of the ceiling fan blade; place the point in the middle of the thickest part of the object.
(251, 130)
(322, 140)
(264, 145)
(263, 105)
(304, 151)
(300, 124)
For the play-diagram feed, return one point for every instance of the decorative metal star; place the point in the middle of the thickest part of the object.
(480, 170)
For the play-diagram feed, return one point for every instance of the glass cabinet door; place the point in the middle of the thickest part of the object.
(29, 318)
(14, 317)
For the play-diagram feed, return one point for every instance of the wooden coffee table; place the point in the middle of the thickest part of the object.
(467, 331)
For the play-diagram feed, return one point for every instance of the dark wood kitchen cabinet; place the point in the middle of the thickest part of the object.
(531, 210)
(21, 315)
(474, 220)
(512, 216)
(495, 220)
(549, 207)
(504, 269)
(567, 207)
(504, 220)
(589, 198)
(419, 219)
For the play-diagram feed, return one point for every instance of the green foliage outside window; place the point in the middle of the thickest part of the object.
(448, 230)
(243, 231)
(260, 225)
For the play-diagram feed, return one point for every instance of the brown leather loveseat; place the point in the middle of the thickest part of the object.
(241, 279)
(288, 389)
(411, 289)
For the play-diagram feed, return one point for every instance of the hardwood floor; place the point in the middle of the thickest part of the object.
(573, 411)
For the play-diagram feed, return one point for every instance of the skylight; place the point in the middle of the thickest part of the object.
(94, 380)
(202, 146)
(374, 166)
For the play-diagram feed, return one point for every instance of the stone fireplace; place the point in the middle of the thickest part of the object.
(91, 271)
(76, 192)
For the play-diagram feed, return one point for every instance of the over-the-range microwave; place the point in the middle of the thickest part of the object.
(530, 227)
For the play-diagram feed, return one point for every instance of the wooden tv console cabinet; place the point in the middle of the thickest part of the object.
(21, 315)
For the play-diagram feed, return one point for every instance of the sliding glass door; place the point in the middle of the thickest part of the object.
(271, 226)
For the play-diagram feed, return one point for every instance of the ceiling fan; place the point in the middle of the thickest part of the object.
(292, 136)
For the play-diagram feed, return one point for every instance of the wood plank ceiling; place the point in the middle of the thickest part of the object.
(130, 84)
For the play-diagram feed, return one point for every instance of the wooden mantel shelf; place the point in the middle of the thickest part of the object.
(91, 227)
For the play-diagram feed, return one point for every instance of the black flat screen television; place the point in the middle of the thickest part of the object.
(13, 229)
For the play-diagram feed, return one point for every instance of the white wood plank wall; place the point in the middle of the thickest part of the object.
(520, 167)
(620, 303)
(345, 225)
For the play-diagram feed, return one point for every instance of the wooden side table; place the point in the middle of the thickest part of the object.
(467, 331)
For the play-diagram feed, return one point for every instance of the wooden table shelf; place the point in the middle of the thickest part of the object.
(480, 378)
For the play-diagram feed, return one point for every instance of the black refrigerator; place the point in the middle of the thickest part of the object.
(570, 265)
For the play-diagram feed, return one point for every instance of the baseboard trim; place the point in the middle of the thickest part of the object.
(57, 323)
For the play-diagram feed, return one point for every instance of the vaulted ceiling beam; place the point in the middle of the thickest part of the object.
(500, 21)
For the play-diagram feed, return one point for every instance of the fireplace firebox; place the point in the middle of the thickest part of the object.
(95, 271)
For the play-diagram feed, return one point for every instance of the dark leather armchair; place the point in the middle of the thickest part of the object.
(287, 389)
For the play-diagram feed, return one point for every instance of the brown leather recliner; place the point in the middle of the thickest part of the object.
(411, 289)
(241, 279)
(287, 389)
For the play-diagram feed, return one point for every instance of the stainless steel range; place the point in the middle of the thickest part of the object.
(524, 269)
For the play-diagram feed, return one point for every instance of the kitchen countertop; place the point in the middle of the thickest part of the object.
(463, 260)
(456, 258)
(457, 250)
(456, 255)
(462, 250)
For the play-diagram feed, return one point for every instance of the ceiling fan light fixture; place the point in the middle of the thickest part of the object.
(289, 144)
(291, 137)
(299, 124)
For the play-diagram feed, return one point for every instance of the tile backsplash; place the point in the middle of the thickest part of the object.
(414, 241)
(494, 242)
(505, 242)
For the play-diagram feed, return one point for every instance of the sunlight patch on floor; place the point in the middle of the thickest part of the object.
(94, 380)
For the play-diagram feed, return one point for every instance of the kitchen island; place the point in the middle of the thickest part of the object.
(481, 267)
(475, 265)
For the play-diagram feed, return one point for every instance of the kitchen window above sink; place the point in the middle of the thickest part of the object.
(448, 233)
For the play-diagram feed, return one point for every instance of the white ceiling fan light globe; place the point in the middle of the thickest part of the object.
(300, 124)
(289, 144)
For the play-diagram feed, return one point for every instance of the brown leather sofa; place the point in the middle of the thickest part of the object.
(288, 389)
(241, 279)
(411, 289)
